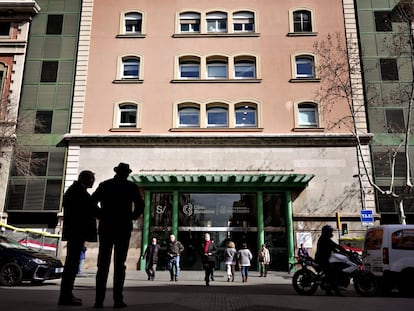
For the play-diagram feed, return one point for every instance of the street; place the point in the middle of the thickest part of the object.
(189, 293)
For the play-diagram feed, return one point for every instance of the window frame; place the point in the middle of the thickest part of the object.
(133, 61)
(186, 16)
(301, 58)
(390, 64)
(141, 22)
(187, 61)
(214, 62)
(307, 105)
(214, 109)
(249, 109)
(118, 125)
(241, 61)
(217, 17)
(244, 15)
(192, 107)
(312, 24)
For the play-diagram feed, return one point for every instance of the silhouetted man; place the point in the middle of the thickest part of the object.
(121, 203)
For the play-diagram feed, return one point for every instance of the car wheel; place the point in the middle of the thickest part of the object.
(10, 274)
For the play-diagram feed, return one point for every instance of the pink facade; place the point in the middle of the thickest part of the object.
(158, 49)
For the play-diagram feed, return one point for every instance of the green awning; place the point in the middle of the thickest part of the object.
(239, 180)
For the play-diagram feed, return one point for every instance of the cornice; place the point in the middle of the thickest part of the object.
(277, 140)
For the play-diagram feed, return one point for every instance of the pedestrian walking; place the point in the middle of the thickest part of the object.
(230, 260)
(151, 259)
(244, 256)
(121, 203)
(174, 250)
(264, 260)
(208, 257)
(79, 225)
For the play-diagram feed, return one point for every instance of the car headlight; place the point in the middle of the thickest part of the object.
(39, 261)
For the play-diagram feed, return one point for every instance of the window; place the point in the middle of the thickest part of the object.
(389, 69)
(49, 71)
(5, 29)
(244, 69)
(395, 120)
(38, 163)
(302, 21)
(133, 23)
(43, 123)
(2, 78)
(130, 68)
(190, 22)
(305, 66)
(216, 22)
(54, 24)
(127, 115)
(383, 21)
(216, 69)
(308, 115)
(189, 68)
(217, 116)
(188, 117)
(246, 116)
(243, 22)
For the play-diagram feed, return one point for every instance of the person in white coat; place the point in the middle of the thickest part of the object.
(230, 260)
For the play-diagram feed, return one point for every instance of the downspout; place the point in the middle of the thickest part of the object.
(290, 245)
(175, 214)
(145, 228)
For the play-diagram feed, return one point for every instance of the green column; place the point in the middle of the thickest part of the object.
(289, 228)
(174, 225)
(260, 224)
(145, 226)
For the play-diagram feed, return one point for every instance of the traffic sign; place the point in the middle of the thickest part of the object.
(367, 217)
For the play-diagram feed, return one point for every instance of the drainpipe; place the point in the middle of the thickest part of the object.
(175, 214)
(260, 224)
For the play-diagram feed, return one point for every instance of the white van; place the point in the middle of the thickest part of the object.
(389, 254)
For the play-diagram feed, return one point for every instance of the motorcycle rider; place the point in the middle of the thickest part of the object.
(325, 248)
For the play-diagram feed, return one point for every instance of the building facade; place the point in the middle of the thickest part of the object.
(15, 18)
(387, 60)
(214, 106)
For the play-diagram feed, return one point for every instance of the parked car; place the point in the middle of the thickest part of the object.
(19, 263)
(389, 254)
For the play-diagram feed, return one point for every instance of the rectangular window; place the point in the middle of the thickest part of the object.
(189, 71)
(217, 71)
(395, 120)
(43, 123)
(54, 24)
(5, 29)
(49, 71)
(189, 117)
(38, 163)
(244, 70)
(217, 117)
(52, 196)
(383, 21)
(389, 69)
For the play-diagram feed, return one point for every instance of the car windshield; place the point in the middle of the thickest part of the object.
(8, 243)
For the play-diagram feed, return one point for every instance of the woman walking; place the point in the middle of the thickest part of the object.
(245, 256)
(230, 260)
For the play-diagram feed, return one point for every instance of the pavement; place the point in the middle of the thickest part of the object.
(188, 293)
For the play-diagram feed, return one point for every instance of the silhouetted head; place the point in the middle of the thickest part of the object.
(327, 231)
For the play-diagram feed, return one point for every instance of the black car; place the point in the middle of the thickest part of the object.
(19, 263)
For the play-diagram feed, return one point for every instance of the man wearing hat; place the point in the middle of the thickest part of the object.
(121, 203)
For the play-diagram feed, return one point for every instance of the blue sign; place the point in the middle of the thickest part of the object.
(367, 217)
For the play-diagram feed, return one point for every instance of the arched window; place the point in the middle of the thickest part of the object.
(130, 67)
(243, 21)
(188, 116)
(133, 23)
(190, 22)
(189, 67)
(305, 66)
(217, 116)
(246, 115)
(308, 116)
(217, 68)
(127, 115)
(244, 68)
(216, 22)
(302, 21)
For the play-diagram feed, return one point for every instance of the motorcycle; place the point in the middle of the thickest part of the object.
(306, 280)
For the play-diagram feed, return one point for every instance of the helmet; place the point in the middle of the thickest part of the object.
(327, 230)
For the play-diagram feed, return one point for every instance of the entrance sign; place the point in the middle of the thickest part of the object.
(367, 217)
